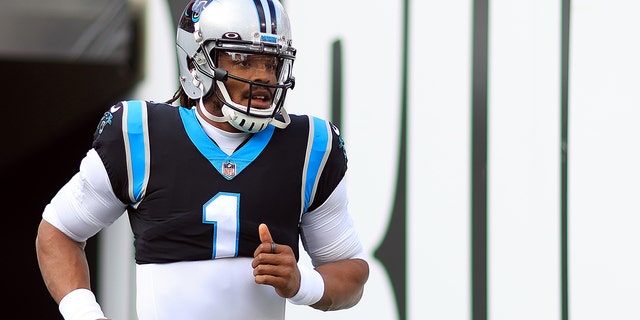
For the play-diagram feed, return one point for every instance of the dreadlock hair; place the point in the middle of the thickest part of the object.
(185, 101)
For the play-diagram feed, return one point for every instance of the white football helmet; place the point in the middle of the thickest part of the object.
(208, 27)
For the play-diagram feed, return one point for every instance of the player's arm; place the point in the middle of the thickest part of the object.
(331, 240)
(81, 208)
(343, 283)
(62, 261)
(64, 268)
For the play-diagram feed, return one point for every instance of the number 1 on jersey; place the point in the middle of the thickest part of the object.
(223, 211)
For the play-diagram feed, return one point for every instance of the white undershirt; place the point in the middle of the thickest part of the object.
(227, 141)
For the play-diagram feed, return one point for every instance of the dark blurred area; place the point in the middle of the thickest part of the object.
(64, 62)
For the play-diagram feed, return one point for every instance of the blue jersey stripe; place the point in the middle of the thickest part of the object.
(136, 135)
(319, 149)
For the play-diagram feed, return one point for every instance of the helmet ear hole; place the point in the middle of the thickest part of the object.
(193, 71)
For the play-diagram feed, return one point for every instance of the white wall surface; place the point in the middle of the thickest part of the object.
(604, 153)
(524, 160)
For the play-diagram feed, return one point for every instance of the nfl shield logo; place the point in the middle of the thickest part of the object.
(229, 169)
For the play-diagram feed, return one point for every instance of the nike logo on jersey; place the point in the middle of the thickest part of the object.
(114, 109)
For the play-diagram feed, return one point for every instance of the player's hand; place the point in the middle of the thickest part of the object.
(275, 265)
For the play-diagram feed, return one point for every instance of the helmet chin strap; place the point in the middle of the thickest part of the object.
(282, 124)
(206, 112)
(209, 115)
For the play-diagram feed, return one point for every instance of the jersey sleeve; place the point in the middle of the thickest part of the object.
(333, 165)
(121, 140)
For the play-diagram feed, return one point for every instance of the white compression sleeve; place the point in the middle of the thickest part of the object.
(328, 232)
(86, 204)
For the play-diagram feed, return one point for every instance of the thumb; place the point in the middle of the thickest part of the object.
(265, 235)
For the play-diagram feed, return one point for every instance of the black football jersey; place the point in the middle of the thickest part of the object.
(188, 200)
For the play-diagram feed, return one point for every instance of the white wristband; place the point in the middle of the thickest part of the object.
(311, 287)
(80, 304)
